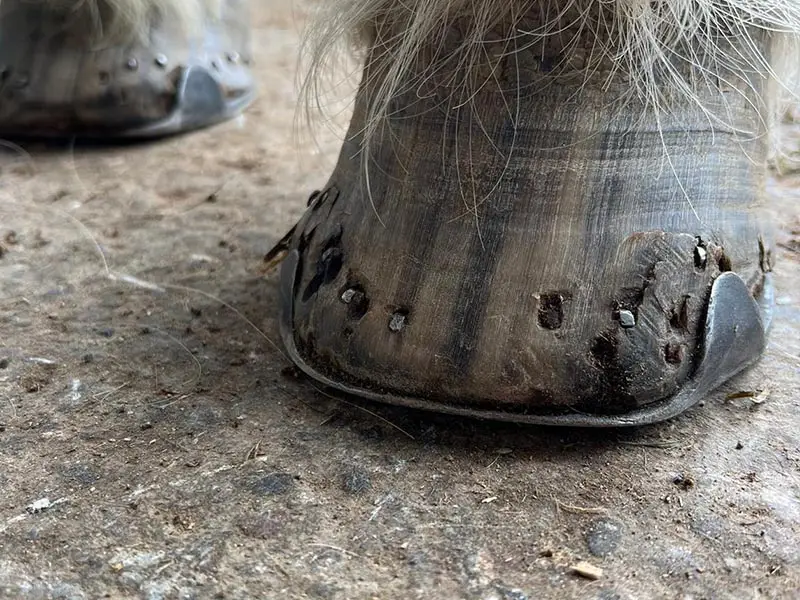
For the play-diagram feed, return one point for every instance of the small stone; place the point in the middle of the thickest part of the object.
(603, 537)
(587, 570)
(626, 319)
(161, 60)
(739, 445)
(3, 363)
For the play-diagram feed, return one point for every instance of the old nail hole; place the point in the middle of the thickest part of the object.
(604, 350)
(700, 255)
(104, 77)
(398, 320)
(356, 300)
(680, 315)
(328, 266)
(551, 310)
(673, 353)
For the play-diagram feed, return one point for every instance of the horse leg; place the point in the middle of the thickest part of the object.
(543, 211)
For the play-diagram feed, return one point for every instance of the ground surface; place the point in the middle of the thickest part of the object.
(154, 444)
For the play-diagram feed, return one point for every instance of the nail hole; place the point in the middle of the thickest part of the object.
(604, 350)
(673, 353)
(551, 310)
(680, 316)
(104, 77)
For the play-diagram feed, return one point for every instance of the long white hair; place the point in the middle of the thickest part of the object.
(664, 49)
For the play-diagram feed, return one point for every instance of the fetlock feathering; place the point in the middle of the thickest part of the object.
(664, 49)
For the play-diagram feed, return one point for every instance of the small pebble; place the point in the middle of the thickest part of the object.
(587, 570)
(685, 482)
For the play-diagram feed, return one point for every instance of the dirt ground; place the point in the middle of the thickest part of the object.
(155, 443)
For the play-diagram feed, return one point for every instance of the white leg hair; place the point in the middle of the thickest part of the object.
(665, 49)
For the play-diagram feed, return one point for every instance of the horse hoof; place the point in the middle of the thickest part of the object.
(579, 260)
(57, 80)
(733, 337)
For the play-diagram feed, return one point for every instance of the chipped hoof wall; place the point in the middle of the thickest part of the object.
(733, 338)
(55, 82)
